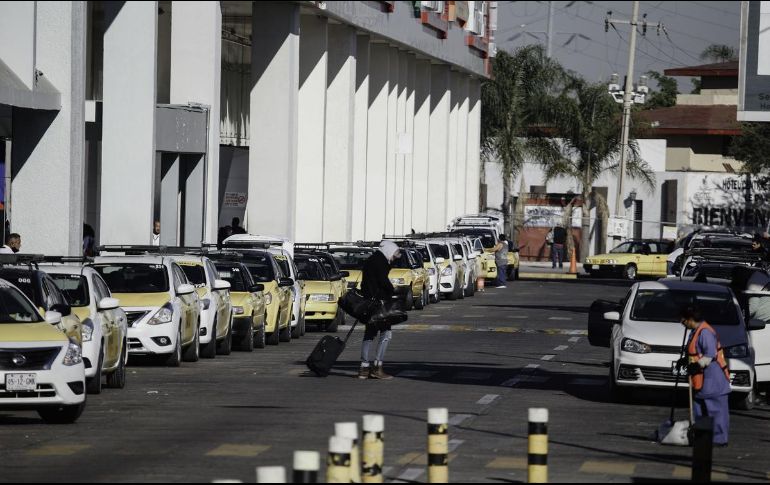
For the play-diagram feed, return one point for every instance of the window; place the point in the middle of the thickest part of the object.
(440, 250)
(100, 287)
(283, 264)
(195, 273)
(261, 267)
(233, 274)
(55, 295)
(75, 288)
(351, 258)
(312, 267)
(134, 277)
(15, 308)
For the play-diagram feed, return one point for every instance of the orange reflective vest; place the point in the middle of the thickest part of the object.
(692, 352)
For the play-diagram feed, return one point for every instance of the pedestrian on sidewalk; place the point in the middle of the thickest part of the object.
(501, 260)
(557, 249)
(375, 284)
(710, 377)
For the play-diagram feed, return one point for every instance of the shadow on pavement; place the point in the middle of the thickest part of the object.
(573, 309)
(11, 420)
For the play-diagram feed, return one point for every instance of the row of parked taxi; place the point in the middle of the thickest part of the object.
(69, 325)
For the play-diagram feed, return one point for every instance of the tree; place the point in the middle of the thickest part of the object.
(752, 147)
(588, 126)
(665, 97)
(518, 98)
(719, 53)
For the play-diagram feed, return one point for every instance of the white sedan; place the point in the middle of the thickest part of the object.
(645, 336)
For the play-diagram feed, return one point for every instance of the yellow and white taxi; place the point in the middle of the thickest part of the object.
(351, 258)
(248, 301)
(323, 289)
(41, 368)
(630, 259)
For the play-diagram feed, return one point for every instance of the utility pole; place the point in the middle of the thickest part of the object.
(549, 32)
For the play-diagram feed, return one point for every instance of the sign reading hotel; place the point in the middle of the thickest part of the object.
(733, 201)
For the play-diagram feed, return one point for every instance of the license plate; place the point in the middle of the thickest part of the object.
(596, 266)
(20, 382)
(682, 370)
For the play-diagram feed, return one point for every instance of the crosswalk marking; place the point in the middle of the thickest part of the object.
(547, 357)
(487, 399)
(411, 474)
(574, 339)
(454, 444)
(408, 458)
(508, 463)
(58, 450)
(532, 366)
(608, 467)
(685, 472)
(245, 451)
(559, 318)
(561, 347)
(458, 419)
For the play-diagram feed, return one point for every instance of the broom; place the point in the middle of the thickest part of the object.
(675, 432)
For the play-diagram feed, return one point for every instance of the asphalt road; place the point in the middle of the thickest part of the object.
(488, 359)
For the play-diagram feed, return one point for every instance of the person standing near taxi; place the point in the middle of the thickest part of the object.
(501, 260)
(709, 375)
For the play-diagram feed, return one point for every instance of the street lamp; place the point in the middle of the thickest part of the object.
(638, 94)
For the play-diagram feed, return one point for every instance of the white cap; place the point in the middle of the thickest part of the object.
(374, 423)
(307, 461)
(338, 444)
(271, 474)
(438, 416)
(538, 415)
(346, 430)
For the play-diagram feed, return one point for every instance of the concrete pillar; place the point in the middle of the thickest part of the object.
(340, 112)
(377, 140)
(472, 204)
(273, 123)
(196, 73)
(169, 198)
(128, 134)
(421, 145)
(439, 142)
(462, 145)
(451, 175)
(400, 176)
(392, 135)
(48, 210)
(194, 170)
(313, 61)
(409, 142)
(360, 134)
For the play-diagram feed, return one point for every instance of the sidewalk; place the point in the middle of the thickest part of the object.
(543, 270)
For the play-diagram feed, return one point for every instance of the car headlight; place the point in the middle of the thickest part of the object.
(631, 345)
(164, 315)
(321, 297)
(432, 271)
(612, 261)
(268, 298)
(238, 310)
(446, 271)
(588, 260)
(88, 331)
(74, 356)
(737, 351)
(398, 281)
(205, 303)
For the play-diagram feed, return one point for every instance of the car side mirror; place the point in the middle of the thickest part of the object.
(344, 274)
(286, 282)
(757, 324)
(62, 308)
(336, 277)
(53, 318)
(256, 288)
(185, 289)
(440, 260)
(612, 316)
(221, 285)
(106, 304)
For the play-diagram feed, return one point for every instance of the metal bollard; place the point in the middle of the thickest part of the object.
(438, 445)
(271, 474)
(702, 448)
(350, 431)
(537, 458)
(306, 466)
(338, 462)
(374, 448)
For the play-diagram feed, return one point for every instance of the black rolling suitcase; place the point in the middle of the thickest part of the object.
(326, 352)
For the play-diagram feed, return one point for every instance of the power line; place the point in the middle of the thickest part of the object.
(706, 5)
(699, 19)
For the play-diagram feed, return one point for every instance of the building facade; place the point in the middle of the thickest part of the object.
(313, 120)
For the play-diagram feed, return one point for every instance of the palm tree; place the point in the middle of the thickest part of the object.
(588, 125)
(518, 98)
(719, 53)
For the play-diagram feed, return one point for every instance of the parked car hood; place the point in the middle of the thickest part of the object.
(670, 334)
(31, 332)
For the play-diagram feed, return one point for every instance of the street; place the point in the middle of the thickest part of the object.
(488, 359)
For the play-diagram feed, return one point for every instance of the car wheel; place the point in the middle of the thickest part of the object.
(117, 380)
(419, 303)
(193, 352)
(225, 347)
(629, 272)
(62, 414)
(468, 290)
(247, 342)
(745, 400)
(209, 350)
(296, 332)
(455, 293)
(176, 356)
(259, 336)
(409, 300)
(274, 338)
(302, 332)
(94, 384)
(434, 299)
(460, 291)
(284, 334)
(339, 319)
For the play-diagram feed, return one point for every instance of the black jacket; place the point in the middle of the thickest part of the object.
(374, 280)
(559, 235)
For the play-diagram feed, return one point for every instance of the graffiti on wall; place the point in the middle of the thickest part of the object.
(548, 216)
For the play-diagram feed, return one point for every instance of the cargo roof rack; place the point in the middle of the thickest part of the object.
(267, 244)
(19, 259)
(311, 246)
(68, 259)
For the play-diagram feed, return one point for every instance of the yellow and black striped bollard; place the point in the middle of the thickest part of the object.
(374, 448)
(537, 459)
(338, 462)
(306, 466)
(350, 431)
(438, 445)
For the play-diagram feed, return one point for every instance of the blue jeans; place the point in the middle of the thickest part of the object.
(557, 254)
(502, 269)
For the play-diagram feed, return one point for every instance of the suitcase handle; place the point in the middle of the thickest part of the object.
(350, 332)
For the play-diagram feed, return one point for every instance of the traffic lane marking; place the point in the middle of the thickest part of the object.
(458, 419)
(561, 347)
(608, 467)
(487, 399)
(410, 475)
(560, 318)
(574, 339)
(508, 463)
(685, 472)
(58, 450)
(547, 357)
(244, 451)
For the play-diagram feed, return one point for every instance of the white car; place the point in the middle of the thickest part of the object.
(646, 336)
(451, 268)
(161, 305)
(216, 329)
(429, 259)
(464, 248)
(105, 331)
(40, 367)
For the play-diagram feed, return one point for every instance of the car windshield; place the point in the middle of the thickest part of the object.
(195, 273)
(134, 277)
(351, 258)
(75, 288)
(260, 266)
(487, 236)
(402, 261)
(22, 280)
(312, 267)
(459, 249)
(15, 308)
(233, 275)
(440, 250)
(666, 306)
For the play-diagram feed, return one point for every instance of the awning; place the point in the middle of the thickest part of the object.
(14, 92)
